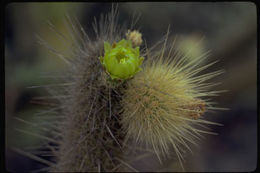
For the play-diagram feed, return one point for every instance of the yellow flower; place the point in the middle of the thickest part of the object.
(121, 60)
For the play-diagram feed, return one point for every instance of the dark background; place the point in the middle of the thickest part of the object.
(229, 31)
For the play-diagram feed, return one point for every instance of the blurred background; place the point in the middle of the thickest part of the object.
(229, 31)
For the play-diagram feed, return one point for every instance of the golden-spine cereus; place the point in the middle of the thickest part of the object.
(163, 102)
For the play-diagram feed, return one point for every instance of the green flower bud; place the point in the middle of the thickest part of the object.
(121, 60)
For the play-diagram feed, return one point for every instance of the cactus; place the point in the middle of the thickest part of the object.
(116, 95)
(162, 103)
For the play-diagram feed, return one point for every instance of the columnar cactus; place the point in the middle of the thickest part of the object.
(118, 95)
